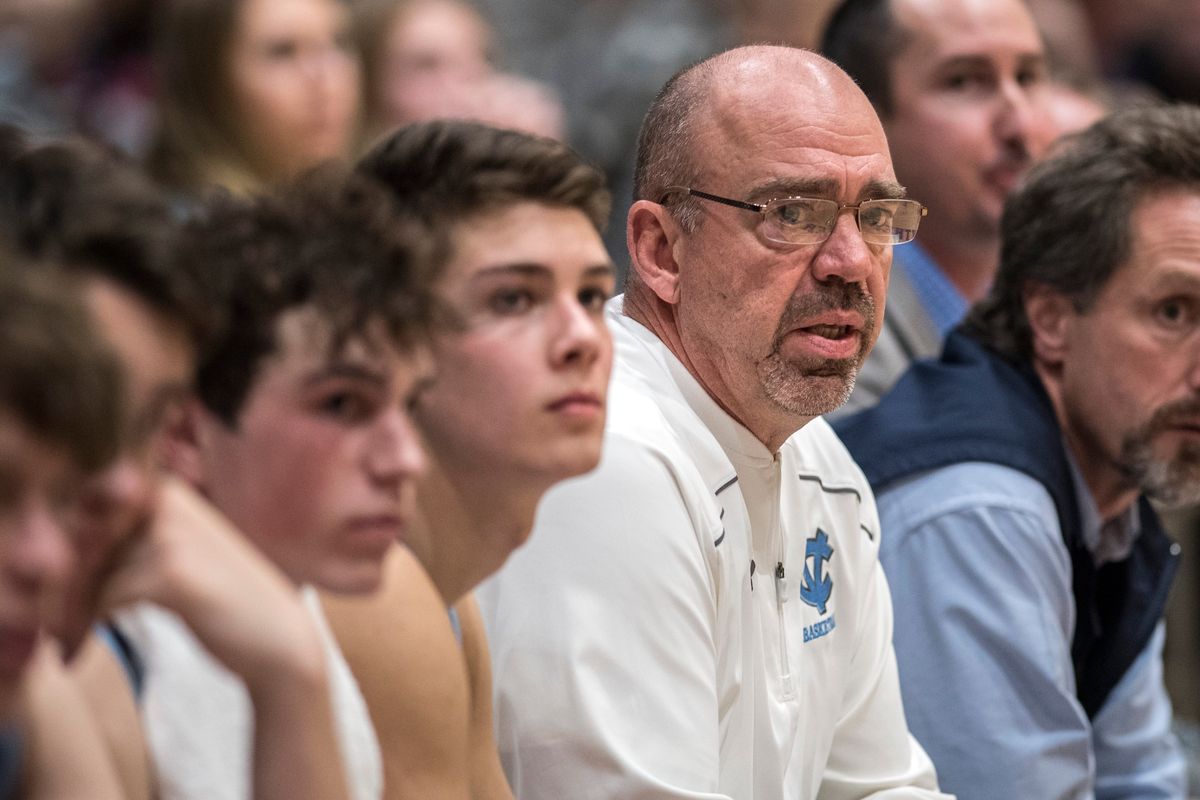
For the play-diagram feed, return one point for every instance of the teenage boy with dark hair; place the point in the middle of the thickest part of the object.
(520, 395)
(297, 433)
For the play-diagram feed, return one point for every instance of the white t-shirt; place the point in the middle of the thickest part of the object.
(199, 721)
(643, 645)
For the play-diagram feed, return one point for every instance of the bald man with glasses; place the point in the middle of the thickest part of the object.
(704, 615)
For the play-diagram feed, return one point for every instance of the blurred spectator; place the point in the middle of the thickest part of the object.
(116, 92)
(40, 42)
(253, 91)
(434, 59)
(958, 86)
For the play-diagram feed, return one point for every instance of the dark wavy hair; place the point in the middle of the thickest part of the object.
(329, 242)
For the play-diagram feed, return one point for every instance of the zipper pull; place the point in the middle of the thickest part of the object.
(752, 567)
(781, 584)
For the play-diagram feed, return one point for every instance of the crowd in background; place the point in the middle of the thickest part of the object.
(145, 76)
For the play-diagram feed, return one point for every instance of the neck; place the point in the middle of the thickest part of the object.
(470, 525)
(969, 264)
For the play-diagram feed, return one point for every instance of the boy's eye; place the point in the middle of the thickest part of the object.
(593, 298)
(511, 301)
(282, 49)
(346, 406)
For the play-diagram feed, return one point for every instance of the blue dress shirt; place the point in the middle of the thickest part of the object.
(940, 298)
(984, 618)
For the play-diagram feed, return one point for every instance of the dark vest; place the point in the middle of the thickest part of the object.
(971, 405)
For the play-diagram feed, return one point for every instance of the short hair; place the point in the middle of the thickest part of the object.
(864, 38)
(59, 382)
(442, 172)
(77, 206)
(1069, 226)
(327, 242)
(666, 146)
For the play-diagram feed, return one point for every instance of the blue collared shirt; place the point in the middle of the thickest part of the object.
(940, 298)
(984, 620)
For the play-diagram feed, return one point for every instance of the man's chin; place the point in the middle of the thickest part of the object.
(1172, 481)
(811, 395)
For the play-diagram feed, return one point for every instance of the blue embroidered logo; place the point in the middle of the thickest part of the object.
(817, 585)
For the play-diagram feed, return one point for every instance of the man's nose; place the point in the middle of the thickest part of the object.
(844, 254)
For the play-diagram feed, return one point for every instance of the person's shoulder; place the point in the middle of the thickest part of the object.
(817, 450)
(978, 489)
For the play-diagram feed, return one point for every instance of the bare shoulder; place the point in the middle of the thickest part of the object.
(401, 649)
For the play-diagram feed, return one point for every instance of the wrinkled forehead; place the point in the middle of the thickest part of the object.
(791, 121)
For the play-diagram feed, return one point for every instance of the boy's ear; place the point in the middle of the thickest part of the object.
(183, 444)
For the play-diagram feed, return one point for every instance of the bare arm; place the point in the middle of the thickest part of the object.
(65, 756)
(103, 683)
(402, 652)
(487, 774)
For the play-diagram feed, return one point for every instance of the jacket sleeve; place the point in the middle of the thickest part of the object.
(603, 642)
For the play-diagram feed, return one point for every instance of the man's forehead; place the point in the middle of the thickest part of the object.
(785, 109)
(954, 23)
(793, 153)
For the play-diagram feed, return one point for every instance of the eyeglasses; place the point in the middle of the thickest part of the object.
(810, 220)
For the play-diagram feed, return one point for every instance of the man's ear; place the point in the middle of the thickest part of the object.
(183, 444)
(1050, 314)
(651, 235)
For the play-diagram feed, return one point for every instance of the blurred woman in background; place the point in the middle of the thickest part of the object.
(253, 92)
(435, 59)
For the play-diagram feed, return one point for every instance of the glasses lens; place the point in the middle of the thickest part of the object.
(799, 220)
(889, 221)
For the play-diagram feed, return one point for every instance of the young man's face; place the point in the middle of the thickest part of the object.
(35, 553)
(520, 393)
(318, 468)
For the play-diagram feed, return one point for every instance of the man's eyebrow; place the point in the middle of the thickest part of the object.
(824, 188)
(348, 371)
(779, 188)
(526, 269)
(605, 270)
(883, 190)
